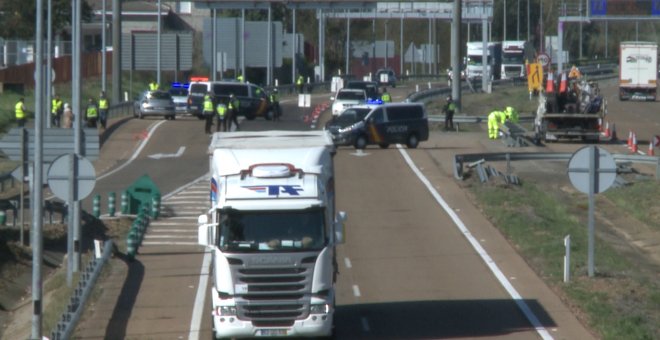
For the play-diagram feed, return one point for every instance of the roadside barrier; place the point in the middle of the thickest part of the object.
(96, 206)
(111, 204)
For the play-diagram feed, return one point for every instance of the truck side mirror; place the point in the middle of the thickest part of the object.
(205, 231)
(339, 227)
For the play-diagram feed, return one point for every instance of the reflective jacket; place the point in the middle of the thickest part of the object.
(20, 114)
(208, 104)
(221, 109)
(103, 104)
(91, 111)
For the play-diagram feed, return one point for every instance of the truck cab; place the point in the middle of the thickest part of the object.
(273, 231)
(513, 59)
(475, 60)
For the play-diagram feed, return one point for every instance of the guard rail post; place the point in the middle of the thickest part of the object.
(131, 244)
(3, 217)
(111, 204)
(155, 206)
(124, 202)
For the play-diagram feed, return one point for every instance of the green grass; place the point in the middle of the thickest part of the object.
(620, 302)
(631, 198)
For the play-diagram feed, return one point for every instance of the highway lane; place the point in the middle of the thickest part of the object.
(406, 271)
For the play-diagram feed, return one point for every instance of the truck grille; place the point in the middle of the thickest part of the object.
(278, 290)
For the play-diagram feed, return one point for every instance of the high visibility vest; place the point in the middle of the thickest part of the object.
(153, 86)
(103, 103)
(299, 81)
(91, 111)
(240, 78)
(20, 114)
(451, 107)
(222, 110)
(274, 98)
(208, 104)
(234, 104)
(55, 107)
(386, 97)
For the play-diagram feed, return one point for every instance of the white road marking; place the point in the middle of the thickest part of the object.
(531, 317)
(180, 152)
(198, 308)
(347, 262)
(356, 291)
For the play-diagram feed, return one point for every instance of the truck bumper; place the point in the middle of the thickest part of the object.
(315, 325)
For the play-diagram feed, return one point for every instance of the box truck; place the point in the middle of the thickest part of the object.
(513, 59)
(272, 230)
(474, 56)
(638, 70)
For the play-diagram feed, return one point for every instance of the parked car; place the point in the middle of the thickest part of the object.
(370, 87)
(154, 103)
(179, 93)
(385, 77)
(345, 98)
(385, 124)
(347, 118)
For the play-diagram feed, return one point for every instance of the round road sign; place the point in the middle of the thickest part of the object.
(544, 59)
(592, 164)
(63, 170)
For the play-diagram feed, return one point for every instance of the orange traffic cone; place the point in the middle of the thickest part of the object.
(607, 129)
(630, 138)
(613, 133)
(563, 83)
(651, 153)
(550, 83)
(634, 143)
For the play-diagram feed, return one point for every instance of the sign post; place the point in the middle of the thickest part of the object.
(592, 170)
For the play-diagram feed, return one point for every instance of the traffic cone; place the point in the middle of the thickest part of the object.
(600, 124)
(630, 139)
(550, 83)
(634, 143)
(607, 129)
(613, 133)
(651, 153)
(563, 83)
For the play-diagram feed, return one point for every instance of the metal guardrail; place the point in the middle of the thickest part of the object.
(69, 319)
(461, 159)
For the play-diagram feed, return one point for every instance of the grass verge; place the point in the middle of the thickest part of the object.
(621, 301)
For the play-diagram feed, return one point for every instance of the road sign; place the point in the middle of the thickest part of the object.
(588, 162)
(64, 169)
(534, 77)
(56, 142)
(544, 59)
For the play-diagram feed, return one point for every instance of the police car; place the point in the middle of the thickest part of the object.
(385, 124)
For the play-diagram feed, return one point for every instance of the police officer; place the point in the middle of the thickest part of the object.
(91, 114)
(233, 106)
(207, 112)
(512, 114)
(448, 110)
(275, 102)
(56, 111)
(299, 84)
(103, 109)
(385, 97)
(221, 111)
(19, 110)
(240, 78)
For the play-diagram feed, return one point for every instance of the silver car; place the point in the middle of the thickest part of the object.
(155, 103)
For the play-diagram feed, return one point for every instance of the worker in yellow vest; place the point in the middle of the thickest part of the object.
(103, 109)
(221, 111)
(153, 86)
(385, 97)
(207, 112)
(92, 113)
(493, 124)
(19, 110)
(299, 84)
(57, 107)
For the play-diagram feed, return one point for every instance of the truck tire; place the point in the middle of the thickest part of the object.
(412, 141)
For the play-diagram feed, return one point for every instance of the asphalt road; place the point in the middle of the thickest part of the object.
(410, 268)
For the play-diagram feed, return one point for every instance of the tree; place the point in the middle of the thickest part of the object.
(18, 17)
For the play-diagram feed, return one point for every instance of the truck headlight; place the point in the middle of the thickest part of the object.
(319, 309)
(226, 310)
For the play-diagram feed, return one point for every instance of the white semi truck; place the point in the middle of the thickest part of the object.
(513, 59)
(475, 60)
(272, 232)
(638, 70)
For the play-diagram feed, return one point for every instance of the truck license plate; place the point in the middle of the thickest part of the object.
(271, 332)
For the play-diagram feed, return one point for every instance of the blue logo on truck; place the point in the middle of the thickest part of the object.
(276, 190)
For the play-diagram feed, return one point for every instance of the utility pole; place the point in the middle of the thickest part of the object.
(456, 53)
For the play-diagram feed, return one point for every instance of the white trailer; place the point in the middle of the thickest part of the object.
(273, 232)
(638, 70)
(513, 59)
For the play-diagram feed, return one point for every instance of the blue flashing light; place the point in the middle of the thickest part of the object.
(179, 85)
(375, 101)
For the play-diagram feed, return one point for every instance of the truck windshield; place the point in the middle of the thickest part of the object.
(512, 58)
(268, 231)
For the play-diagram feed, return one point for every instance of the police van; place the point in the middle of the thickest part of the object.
(253, 100)
(405, 123)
